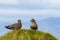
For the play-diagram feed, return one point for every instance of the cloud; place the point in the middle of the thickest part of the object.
(39, 4)
(31, 4)
(42, 12)
(29, 1)
(10, 2)
(50, 3)
(30, 8)
(25, 15)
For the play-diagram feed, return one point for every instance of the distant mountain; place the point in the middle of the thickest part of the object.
(24, 34)
(52, 21)
(51, 25)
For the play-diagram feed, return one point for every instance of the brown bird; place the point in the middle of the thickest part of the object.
(15, 26)
(33, 25)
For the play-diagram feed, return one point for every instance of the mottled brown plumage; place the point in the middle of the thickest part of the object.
(14, 26)
(33, 25)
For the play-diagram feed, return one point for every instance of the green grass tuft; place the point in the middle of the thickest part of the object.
(24, 34)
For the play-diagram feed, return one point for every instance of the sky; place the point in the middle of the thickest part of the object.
(12, 10)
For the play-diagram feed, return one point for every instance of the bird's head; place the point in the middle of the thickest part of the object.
(19, 20)
(32, 20)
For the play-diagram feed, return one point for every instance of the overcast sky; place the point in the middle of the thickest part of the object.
(39, 7)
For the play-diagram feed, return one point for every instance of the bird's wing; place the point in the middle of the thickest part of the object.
(14, 25)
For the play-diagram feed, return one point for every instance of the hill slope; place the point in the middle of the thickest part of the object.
(27, 35)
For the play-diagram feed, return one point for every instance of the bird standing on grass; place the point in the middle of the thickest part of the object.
(33, 25)
(15, 26)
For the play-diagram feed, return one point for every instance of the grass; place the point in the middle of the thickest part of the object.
(24, 34)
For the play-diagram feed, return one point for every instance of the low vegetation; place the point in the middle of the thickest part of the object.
(24, 34)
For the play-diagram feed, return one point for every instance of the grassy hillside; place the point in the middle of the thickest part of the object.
(27, 35)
